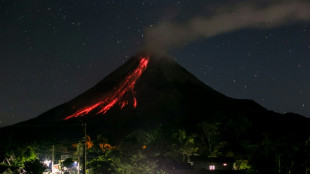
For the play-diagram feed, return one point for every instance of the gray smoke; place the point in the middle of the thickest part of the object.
(167, 35)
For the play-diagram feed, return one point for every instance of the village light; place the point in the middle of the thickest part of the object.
(47, 162)
(211, 167)
(75, 163)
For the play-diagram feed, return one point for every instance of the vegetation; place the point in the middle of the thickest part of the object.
(67, 162)
(34, 167)
(162, 149)
(130, 157)
(23, 158)
(22, 155)
(186, 144)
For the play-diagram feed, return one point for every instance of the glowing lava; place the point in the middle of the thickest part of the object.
(117, 94)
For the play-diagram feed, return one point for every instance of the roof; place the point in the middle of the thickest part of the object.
(212, 159)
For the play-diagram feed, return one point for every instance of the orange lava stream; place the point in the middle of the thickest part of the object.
(116, 96)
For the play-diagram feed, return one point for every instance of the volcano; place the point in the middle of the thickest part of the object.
(145, 92)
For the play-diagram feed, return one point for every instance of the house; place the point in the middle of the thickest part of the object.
(212, 163)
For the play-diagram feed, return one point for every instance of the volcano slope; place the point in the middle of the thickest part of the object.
(148, 92)
(165, 93)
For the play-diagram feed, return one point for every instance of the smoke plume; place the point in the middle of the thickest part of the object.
(167, 35)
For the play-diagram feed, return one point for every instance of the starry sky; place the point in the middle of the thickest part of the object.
(52, 51)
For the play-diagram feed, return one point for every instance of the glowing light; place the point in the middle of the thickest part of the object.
(47, 162)
(134, 102)
(117, 94)
(211, 167)
(124, 103)
(108, 106)
(224, 164)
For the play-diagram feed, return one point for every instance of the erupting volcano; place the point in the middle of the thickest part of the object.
(116, 96)
(150, 94)
(170, 100)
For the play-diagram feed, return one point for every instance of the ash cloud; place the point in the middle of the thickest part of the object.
(168, 35)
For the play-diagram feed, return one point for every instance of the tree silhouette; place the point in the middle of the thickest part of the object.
(211, 133)
(187, 144)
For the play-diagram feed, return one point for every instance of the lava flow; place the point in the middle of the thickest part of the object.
(116, 96)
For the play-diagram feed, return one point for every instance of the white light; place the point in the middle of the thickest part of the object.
(211, 167)
(224, 164)
(76, 163)
(47, 162)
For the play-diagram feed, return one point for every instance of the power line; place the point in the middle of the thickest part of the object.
(62, 142)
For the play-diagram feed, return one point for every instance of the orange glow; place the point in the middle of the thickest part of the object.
(89, 143)
(74, 145)
(105, 147)
(144, 147)
(117, 94)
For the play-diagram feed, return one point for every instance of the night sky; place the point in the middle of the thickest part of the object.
(52, 51)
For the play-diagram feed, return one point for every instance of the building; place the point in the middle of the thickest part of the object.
(212, 163)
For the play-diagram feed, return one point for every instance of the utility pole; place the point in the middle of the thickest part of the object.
(84, 149)
(78, 167)
(53, 156)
